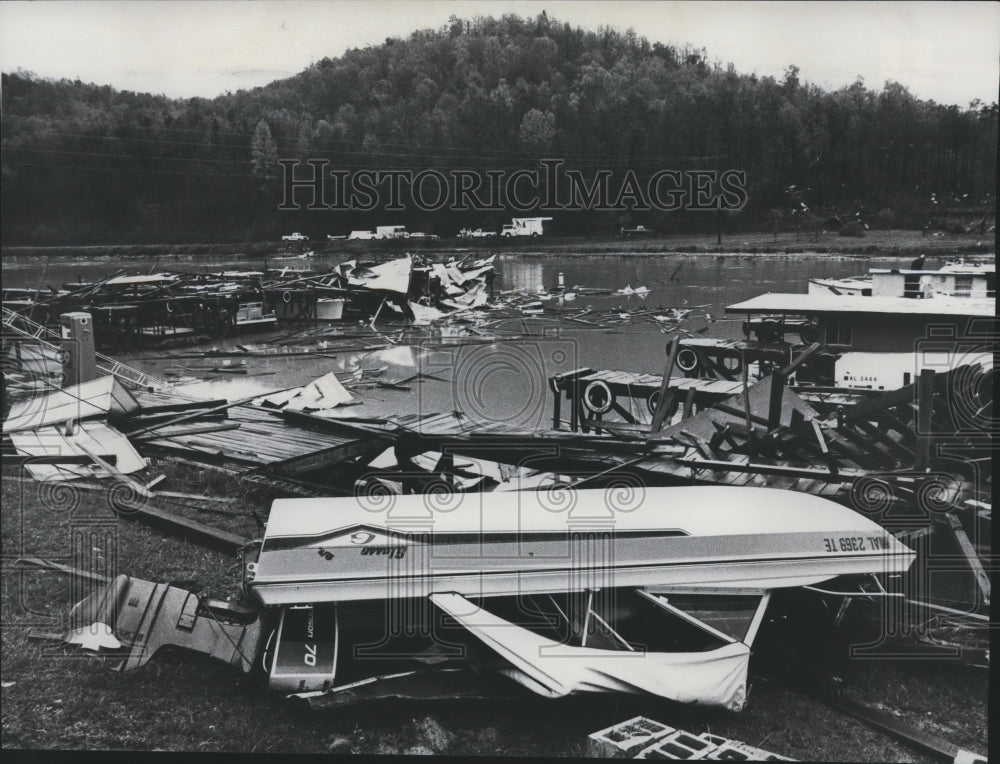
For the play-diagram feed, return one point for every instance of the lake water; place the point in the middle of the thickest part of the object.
(503, 380)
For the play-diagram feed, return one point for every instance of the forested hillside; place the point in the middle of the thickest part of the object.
(84, 163)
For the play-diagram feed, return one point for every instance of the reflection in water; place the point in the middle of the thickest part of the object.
(523, 275)
(397, 356)
(232, 388)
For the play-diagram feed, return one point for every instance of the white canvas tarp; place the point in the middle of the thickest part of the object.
(713, 678)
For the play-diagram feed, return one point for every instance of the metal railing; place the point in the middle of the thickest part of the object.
(129, 376)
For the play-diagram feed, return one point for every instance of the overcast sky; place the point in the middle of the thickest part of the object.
(948, 52)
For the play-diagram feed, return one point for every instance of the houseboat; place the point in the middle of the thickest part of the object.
(954, 279)
(875, 342)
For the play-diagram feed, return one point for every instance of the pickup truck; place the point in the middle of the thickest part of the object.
(295, 237)
(639, 230)
(479, 233)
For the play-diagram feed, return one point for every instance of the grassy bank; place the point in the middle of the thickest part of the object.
(58, 697)
(881, 243)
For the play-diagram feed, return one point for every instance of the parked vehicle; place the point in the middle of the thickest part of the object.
(419, 235)
(524, 227)
(639, 230)
(479, 233)
(295, 237)
(364, 235)
(391, 232)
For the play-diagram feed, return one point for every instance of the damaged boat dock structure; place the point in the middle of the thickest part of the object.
(839, 450)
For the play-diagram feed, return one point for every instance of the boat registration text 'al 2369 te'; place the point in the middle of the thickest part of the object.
(855, 544)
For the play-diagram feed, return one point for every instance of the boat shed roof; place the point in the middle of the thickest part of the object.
(968, 271)
(783, 302)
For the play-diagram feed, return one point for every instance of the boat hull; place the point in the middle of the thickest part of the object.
(703, 537)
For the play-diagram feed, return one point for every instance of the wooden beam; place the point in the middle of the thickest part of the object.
(190, 416)
(723, 433)
(803, 356)
(626, 415)
(727, 409)
(700, 443)
(58, 459)
(820, 440)
(180, 407)
(893, 445)
(204, 533)
(867, 450)
(326, 457)
(885, 722)
(844, 476)
(824, 449)
(746, 404)
(982, 580)
(925, 414)
(796, 418)
(194, 430)
(688, 403)
(775, 401)
(895, 423)
(662, 405)
(139, 488)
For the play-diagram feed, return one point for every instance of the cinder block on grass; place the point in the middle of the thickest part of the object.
(625, 739)
(678, 746)
(734, 750)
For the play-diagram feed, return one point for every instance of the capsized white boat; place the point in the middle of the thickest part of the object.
(656, 590)
(516, 543)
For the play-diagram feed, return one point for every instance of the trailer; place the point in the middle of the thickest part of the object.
(524, 227)
(391, 232)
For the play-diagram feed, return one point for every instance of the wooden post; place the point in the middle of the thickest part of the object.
(746, 404)
(774, 406)
(688, 403)
(925, 410)
(982, 579)
(663, 404)
(379, 310)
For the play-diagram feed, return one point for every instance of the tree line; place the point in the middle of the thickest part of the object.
(83, 163)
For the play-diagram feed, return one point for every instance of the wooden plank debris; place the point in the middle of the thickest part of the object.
(975, 564)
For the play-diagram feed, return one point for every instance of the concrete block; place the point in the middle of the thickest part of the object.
(678, 746)
(625, 739)
(734, 750)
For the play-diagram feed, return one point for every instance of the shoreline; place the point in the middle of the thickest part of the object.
(901, 244)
